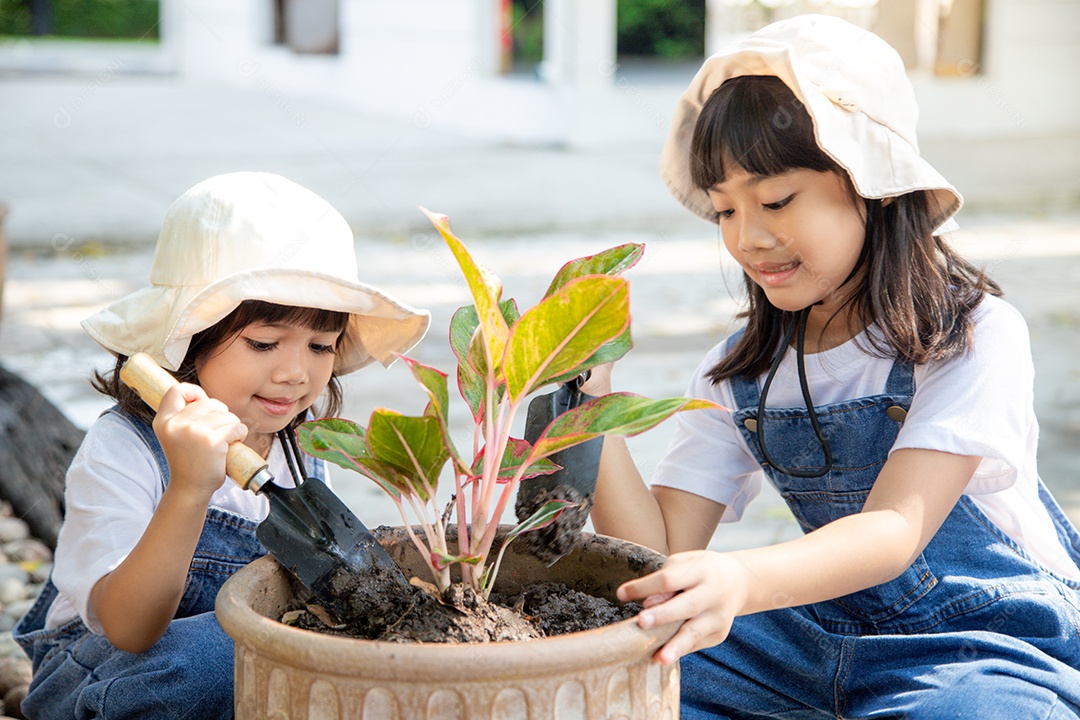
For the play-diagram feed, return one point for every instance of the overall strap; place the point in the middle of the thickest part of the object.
(744, 389)
(146, 434)
(901, 379)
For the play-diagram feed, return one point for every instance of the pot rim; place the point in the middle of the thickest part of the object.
(615, 644)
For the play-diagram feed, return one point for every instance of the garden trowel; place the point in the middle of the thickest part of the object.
(574, 481)
(309, 530)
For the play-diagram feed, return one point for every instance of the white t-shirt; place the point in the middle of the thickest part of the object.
(980, 404)
(113, 487)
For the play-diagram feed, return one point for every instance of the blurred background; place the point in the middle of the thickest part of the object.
(536, 126)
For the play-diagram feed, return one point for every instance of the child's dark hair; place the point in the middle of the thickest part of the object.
(204, 343)
(916, 288)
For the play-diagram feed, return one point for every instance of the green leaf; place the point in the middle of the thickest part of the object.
(441, 559)
(465, 321)
(472, 389)
(609, 352)
(413, 446)
(613, 261)
(485, 287)
(344, 443)
(564, 330)
(544, 516)
(434, 383)
(623, 414)
(517, 453)
(334, 440)
(468, 347)
(393, 482)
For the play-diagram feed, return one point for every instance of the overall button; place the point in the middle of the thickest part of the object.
(897, 413)
(751, 424)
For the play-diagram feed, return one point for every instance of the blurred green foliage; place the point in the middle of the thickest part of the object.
(137, 19)
(663, 28)
(660, 28)
(527, 21)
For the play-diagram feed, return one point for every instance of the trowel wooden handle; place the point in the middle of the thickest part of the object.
(142, 374)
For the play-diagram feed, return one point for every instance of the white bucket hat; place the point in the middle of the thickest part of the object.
(254, 236)
(858, 95)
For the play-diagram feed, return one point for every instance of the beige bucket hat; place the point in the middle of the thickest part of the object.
(254, 236)
(858, 95)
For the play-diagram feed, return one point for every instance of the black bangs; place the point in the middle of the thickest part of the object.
(272, 314)
(756, 123)
(259, 311)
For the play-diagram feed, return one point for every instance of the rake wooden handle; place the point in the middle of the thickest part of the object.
(142, 374)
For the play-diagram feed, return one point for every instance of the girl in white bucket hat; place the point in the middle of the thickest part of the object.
(883, 388)
(256, 305)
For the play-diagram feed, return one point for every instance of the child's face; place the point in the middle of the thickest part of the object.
(268, 374)
(798, 235)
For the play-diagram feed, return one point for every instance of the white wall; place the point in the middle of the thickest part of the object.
(1007, 132)
(1010, 131)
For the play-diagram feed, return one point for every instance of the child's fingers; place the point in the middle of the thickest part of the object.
(681, 571)
(178, 397)
(676, 608)
(640, 588)
(654, 600)
(599, 382)
(187, 409)
(693, 635)
(229, 433)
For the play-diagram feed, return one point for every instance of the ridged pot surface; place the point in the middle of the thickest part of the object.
(287, 672)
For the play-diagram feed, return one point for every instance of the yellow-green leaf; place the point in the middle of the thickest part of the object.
(623, 414)
(485, 286)
(564, 330)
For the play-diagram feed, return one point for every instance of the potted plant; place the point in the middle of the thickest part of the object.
(503, 356)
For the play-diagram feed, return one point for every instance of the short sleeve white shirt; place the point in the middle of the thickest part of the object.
(979, 404)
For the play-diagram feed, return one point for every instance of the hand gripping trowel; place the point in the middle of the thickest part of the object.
(309, 530)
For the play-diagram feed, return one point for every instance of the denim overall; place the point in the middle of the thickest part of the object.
(187, 674)
(974, 628)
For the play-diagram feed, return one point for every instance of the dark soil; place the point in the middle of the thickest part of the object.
(559, 538)
(383, 604)
(420, 615)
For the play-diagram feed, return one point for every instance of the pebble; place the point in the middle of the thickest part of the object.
(25, 563)
(12, 528)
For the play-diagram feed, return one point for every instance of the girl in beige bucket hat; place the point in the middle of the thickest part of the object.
(256, 304)
(882, 387)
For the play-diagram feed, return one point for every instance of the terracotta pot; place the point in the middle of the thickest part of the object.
(286, 672)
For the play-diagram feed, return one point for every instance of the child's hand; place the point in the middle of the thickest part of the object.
(703, 588)
(599, 382)
(195, 432)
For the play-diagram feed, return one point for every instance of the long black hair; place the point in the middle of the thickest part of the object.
(205, 343)
(917, 290)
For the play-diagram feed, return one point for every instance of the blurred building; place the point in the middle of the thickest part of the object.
(996, 79)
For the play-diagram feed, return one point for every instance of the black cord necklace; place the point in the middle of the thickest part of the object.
(292, 455)
(800, 324)
(314, 521)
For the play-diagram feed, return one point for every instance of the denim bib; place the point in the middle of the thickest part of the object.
(958, 571)
(975, 627)
(78, 673)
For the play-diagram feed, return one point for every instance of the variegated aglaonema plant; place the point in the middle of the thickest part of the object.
(503, 356)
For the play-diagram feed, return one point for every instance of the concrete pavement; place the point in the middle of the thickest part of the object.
(101, 157)
(88, 167)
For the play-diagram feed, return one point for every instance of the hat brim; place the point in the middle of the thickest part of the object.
(161, 321)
